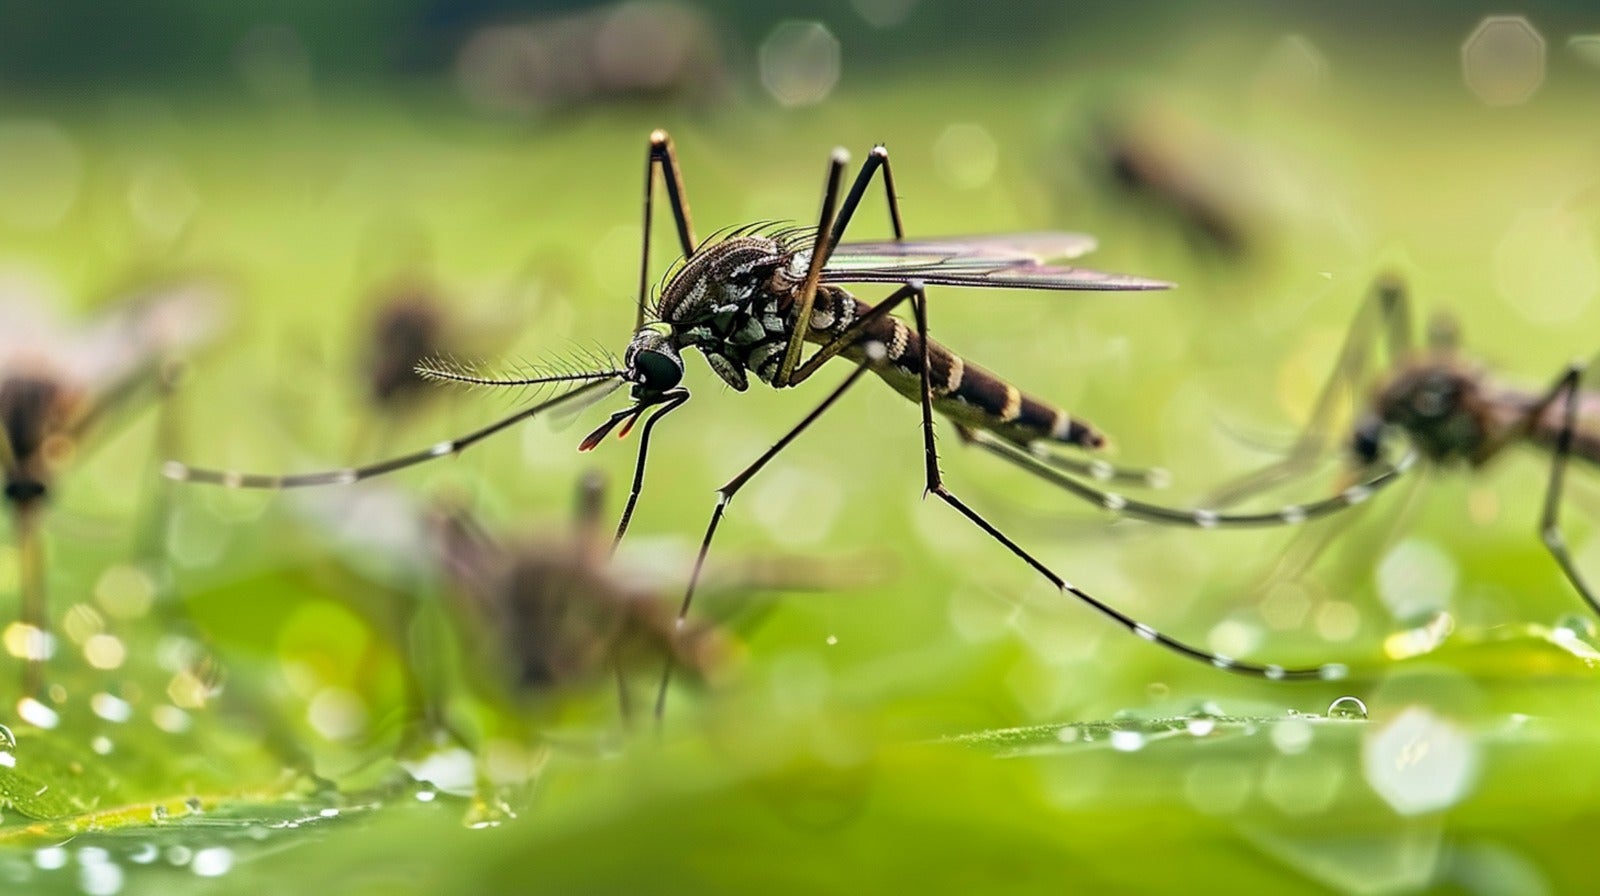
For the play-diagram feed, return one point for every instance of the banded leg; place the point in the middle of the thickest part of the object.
(834, 225)
(232, 479)
(724, 497)
(1388, 308)
(661, 153)
(1202, 517)
(936, 486)
(1566, 391)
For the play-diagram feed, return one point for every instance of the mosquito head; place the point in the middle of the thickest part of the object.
(652, 363)
(1439, 406)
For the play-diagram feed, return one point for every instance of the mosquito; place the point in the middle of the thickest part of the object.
(57, 389)
(750, 298)
(1450, 409)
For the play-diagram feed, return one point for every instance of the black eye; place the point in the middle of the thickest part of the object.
(658, 370)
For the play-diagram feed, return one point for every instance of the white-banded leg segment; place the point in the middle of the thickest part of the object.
(936, 486)
(1199, 518)
(234, 479)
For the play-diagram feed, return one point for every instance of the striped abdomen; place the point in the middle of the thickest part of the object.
(964, 392)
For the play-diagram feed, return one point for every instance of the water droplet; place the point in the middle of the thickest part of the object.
(1127, 740)
(158, 813)
(426, 794)
(1200, 724)
(213, 861)
(1068, 734)
(193, 805)
(97, 874)
(7, 739)
(179, 856)
(1575, 626)
(50, 858)
(144, 854)
(831, 640)
(1347, 707)
(329, 812)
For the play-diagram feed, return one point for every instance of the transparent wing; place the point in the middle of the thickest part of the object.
(1015, 260)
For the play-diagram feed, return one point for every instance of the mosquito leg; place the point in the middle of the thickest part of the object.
(725, 497)
(1202, 517)
(878, 158)
(184, 473)
(661, 154)
(1566, 392)
(638, 467)
(35, 607)
(936, 486)
(1386, 307)
(807, 294)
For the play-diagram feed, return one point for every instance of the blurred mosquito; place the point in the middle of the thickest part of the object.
(750, 298)
(57, 389)
(556, 614)
(1450, 409)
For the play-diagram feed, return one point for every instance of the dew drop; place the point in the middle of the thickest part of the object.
(7, 739)
(193, 805)
(178, 856)
(1572, 626)
(50, 858)
(1127, 741)
(158, 813)
(144, 854)
(1200, 723)
(213, 861)
(1347, 707)
(97, 874)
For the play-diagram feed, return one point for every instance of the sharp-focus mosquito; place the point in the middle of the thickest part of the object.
(750, 298)
(1449, 408)
(57, 388)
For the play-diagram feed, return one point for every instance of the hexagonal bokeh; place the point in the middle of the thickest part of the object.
(1503, 60)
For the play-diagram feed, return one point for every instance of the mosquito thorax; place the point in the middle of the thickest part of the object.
(732, 302)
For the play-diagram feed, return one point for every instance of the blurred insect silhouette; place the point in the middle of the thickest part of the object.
(1448, 408)
(750, 298)
(57, 390)
(554, 613)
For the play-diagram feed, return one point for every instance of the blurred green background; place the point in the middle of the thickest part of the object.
(306, 159)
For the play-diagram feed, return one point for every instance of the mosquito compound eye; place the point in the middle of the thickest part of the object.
(658, 370)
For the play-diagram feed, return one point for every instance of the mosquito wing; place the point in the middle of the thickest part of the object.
(1015, 260)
